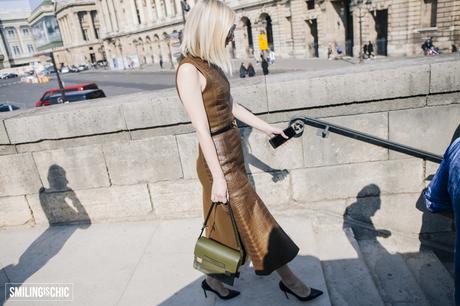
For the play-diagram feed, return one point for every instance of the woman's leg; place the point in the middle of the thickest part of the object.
(217, 285)
(292, 281)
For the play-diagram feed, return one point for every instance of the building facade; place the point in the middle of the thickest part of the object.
(80, 30)
(139, 31)
(17, 46)
(130, 33)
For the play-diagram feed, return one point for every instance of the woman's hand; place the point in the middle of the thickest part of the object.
(219, 192)
(271, 131)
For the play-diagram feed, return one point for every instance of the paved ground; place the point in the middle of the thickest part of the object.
(138, 263)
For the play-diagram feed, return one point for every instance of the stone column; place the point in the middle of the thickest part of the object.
(113, 15)
(168, 7)
(149, 12)
(107, 17)
(140, 6)
(134, 12)
(159, 7)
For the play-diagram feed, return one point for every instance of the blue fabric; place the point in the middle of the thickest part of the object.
(443, 195)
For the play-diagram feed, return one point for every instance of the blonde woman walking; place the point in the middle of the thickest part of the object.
(205, 92)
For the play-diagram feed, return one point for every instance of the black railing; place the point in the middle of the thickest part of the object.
(298, 124)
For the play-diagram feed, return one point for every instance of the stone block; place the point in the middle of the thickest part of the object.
(146, 160)
(7, 149)
(429, 128)
(72, 168)
(401, 212)
(14, 211)
(98, 204)
(259, 155)
(18, 175)
(337, 149)
(188, 152)
(442, 99)
(3, 134)
(252, 96)
(273, 188)
(445, 77)
(154, 111)
(73, 142)
(304, 90)
(365, 179)
(177, 198)
(65, 121)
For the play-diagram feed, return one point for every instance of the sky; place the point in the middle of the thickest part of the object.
(18, 5)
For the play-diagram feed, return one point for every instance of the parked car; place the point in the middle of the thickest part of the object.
(102, 63)
(76, 96)
(73, 68)
(44, 100)
(8, 107)
(8, 75)
(83, 67)
(65, 70)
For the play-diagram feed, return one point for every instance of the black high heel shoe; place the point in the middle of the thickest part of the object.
(232, 293)
(314, 293)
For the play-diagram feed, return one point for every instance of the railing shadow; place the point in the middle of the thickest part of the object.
(58, 211)
(250, 159)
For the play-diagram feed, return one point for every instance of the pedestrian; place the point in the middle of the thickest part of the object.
(264, 65)
(220, 163)
(272, 56)
(251, 71)
(161, 62)
(370, 49)
(329, 51)
(243, 71)
(443, 196)
(365, 50)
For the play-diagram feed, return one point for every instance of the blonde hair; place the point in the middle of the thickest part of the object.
(205, 31)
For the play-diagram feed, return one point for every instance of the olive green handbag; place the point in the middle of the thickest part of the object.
(216, 259)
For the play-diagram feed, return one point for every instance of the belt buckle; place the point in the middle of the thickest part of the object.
(234, 124)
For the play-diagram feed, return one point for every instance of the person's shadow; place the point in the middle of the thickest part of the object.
(251, 159)
(60, 205)
(367, 203)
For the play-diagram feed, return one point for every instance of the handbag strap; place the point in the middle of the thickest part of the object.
(235, 229)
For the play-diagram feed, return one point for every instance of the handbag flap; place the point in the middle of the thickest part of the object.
(216, 257)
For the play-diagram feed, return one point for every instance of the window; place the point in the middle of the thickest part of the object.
(311, 4)
(96, 31)
(11, 32)
(30, 48)
(25, 31)
(16, 50)
(85, 34)
(428, 13)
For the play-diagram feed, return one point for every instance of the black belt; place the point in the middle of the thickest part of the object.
(232, 124)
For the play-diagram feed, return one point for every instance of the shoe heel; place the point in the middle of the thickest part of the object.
(286, 294)
(205, 295)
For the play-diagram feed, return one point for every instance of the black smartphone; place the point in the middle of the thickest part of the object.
(278, 140)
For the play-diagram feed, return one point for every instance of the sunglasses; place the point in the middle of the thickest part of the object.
(230, 35)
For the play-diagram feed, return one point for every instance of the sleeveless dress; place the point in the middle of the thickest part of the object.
(263, 240)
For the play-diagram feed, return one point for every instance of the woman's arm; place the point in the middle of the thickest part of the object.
(188, 83)
(242, 114)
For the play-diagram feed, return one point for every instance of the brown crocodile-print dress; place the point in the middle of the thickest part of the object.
(263, 239)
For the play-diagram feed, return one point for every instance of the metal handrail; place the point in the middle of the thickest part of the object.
(298, 122)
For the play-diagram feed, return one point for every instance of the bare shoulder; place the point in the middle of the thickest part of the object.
(187, 70)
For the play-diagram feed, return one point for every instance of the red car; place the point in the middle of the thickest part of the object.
(45, 99)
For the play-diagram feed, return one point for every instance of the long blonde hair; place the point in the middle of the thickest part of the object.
(205, 31)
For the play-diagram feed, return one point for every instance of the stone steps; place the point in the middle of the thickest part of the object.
(157, 268)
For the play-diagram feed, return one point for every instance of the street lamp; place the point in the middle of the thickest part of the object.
(360, 4)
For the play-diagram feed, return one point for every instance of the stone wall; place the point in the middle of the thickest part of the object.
(133, 157)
